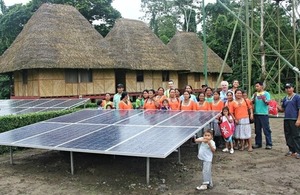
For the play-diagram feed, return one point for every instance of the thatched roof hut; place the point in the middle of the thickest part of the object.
(56, 36)
(189, 49)
(134, 46)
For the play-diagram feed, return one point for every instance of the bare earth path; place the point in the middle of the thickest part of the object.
(48, 172)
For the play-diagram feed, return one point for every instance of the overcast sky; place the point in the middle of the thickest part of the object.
(128, 8)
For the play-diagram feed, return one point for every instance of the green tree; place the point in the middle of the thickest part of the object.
(183, 13)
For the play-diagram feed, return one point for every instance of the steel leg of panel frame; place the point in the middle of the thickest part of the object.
(72, 163)
(11, 155)
(179, 155)
(148, 170)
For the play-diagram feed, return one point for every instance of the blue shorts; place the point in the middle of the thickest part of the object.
(229, 139)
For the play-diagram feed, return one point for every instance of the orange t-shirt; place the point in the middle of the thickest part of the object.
(205, 106)
(230, 106)
(174, 103)
(241, 110)
(217, 106)
(124, 106)
(149, 105)
(160, 99)
(191, 105)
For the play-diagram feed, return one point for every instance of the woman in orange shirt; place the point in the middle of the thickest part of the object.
(202, 104)
(125, 103)
(174, 102)
(150, 103)
(187, 103)
(229, 102)
(243, 128)
(160, 95)
(217, 104)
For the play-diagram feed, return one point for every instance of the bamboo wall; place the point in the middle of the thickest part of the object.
(51, 83)
(152, 80)
(211, 79)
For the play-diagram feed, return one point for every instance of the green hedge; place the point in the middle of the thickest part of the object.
(15, 121)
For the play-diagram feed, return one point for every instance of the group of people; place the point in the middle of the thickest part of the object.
(237, 111)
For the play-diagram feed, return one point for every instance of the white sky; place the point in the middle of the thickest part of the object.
(128, 8)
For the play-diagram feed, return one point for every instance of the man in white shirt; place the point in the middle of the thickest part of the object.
(117, 96)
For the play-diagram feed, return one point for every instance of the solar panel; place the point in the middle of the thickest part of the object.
(118, 132)
(23, 106)
(150, 134)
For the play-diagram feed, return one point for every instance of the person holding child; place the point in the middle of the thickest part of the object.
(205, 154)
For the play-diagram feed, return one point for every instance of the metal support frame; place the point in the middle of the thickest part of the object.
(179, 155)
(148, 170)
(11, 155)
(294, 68)
(72, 163)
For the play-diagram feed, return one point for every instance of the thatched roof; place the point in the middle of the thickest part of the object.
(56, 36)
(134, 46)
(189, 49)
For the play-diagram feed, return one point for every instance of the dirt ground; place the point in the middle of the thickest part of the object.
(48, 172)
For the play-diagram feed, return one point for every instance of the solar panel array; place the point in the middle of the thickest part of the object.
(23, 106)
(150, 133)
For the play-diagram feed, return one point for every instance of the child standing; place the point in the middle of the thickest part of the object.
(227, 127)
(206, 150)
(165, 105)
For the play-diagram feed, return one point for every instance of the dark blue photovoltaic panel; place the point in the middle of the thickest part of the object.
(149, 117)
(8, 111)
(119, 132)
(71, 103)
(5, 103)
(52, 103)
(79, 116)
(156, 142)
(27, 131)
(52, 109)
(190, 118)
(61, 135)
(106, 138)
(35, 103)
(18, 103)
(113, 117)
(30, 110)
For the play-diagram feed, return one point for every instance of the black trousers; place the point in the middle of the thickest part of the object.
(292, 135)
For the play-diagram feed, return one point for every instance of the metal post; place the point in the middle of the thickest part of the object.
(204, 42)
(72, 163)
(228, 50)
(278, 42)
(148, 170)
(262, 45)
(249, 52)
(295, 43)
(179, 155)
(11, 155)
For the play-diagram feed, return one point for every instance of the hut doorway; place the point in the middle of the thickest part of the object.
(182, 81)
(120, 76)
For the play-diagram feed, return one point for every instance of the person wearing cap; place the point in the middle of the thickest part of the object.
(260, 100)
(291, 124)
(117, 96)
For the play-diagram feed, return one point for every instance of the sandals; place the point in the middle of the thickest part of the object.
(202, 187)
